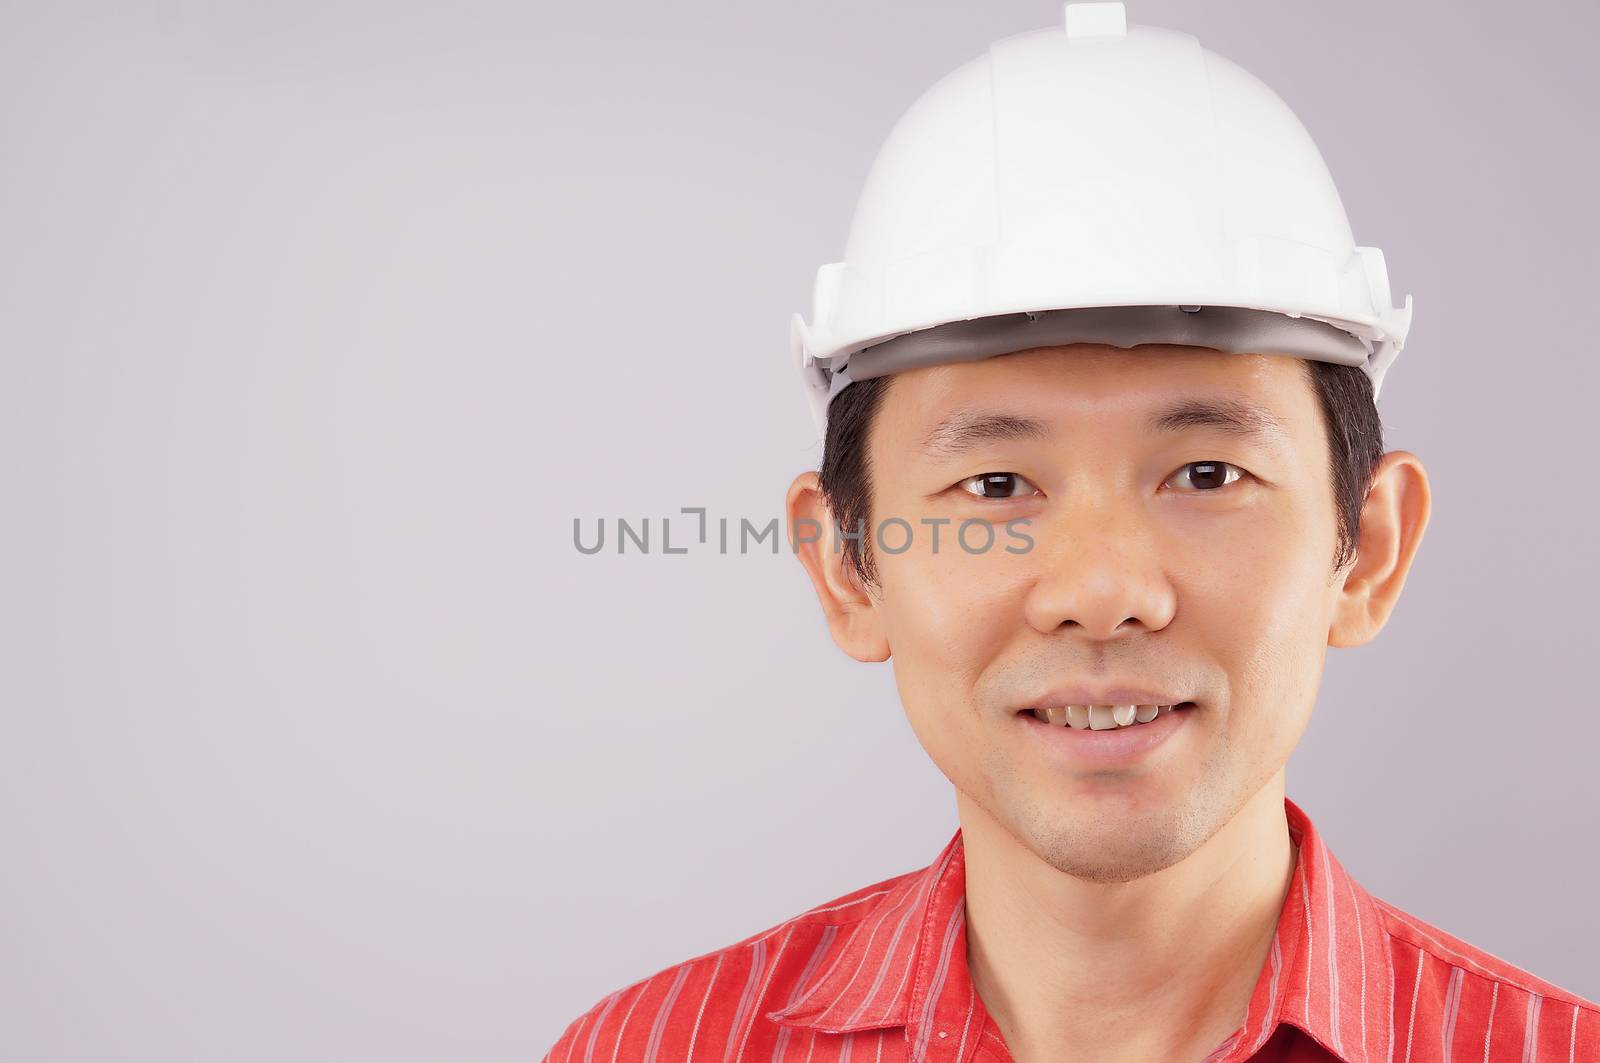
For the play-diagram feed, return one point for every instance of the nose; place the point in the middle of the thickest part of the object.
(1099, 573)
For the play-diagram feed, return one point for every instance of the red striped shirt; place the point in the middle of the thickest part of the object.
(880, 975)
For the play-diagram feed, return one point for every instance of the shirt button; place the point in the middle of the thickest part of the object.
(943, 1034)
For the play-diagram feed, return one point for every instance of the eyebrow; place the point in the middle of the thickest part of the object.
(1233, 417)
(966, 430)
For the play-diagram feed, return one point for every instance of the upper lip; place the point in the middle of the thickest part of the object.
(1107, 695)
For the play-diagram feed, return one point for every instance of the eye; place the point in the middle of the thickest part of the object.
(1208, 475)
(997, 485)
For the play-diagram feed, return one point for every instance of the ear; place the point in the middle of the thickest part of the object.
(852, 613)
(1393, 519)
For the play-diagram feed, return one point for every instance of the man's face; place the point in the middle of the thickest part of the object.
(1150, 566)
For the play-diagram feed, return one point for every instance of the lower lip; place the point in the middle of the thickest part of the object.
(1117, 747)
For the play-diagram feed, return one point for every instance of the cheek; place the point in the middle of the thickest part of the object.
(947, 616)
(1261, 602)
(1261, 590)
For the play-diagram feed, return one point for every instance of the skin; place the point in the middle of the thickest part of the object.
(1161, 882)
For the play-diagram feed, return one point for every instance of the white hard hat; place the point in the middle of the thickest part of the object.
(1098, 182)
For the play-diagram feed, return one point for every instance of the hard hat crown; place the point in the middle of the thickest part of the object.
(1095, 164)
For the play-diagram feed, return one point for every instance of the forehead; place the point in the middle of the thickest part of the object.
(1106, 387)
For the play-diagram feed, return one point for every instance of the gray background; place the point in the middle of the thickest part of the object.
(319, 327)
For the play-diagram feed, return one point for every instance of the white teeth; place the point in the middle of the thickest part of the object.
(1100, 717)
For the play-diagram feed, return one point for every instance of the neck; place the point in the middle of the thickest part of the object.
(1160, 967)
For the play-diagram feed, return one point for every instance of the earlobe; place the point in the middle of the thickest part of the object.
(850, 610)
(1393, 519)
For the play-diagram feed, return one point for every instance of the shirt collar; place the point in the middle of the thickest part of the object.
(902, 962)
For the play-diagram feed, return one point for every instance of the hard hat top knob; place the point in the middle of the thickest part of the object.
(1096, 20)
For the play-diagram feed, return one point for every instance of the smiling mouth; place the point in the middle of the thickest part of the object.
(1103, 717)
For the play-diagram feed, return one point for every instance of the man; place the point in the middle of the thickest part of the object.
(1104, 477)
